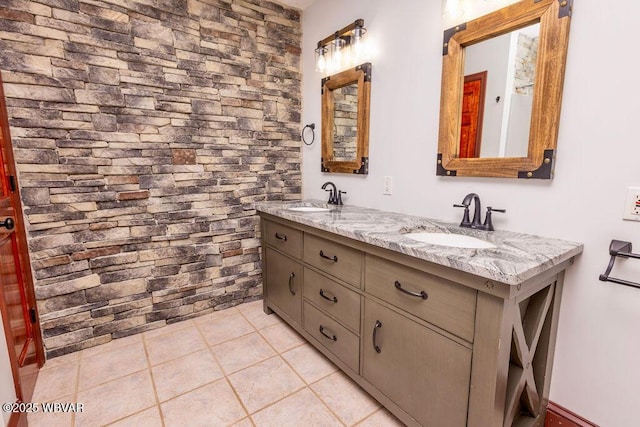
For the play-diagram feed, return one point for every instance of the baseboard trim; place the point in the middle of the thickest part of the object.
(560, 416)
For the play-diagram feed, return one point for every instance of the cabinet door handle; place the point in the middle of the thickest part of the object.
(333, 258)
(334, 299)
(332, 337)
(291, 276)
(377, 326)
(282, 237)
(421, 294)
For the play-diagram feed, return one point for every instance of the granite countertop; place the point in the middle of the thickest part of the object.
(515, 258)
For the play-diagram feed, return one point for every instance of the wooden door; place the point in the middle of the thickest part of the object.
(17, 297)
(472, 115)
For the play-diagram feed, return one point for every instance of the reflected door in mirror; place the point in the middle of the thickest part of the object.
(472, 114)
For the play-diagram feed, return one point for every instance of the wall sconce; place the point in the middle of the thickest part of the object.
(344, 49)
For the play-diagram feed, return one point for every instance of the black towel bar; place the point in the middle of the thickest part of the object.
(619, 248)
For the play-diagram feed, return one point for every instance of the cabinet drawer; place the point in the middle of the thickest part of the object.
(333, 336)
(283, 284)
(423, 372)
(286, 239)
(333, 298)
(338, 260)
(447, 305)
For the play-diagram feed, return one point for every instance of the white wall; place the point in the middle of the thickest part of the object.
(7, 389)
(597, 369)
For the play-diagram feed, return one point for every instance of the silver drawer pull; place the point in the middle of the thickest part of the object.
(282, 237)
(332, 337)
(376, 326)
(334, 299)
(421, 294)
(333, 258)
(291, 276)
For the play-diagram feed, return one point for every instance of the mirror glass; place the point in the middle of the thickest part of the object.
(502, 79)
(498, 92)
(345, 122)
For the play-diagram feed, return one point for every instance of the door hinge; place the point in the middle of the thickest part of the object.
(12, 183)
(32, 315)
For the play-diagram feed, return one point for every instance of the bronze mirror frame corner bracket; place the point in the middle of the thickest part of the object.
(555, 18)
(362, 76)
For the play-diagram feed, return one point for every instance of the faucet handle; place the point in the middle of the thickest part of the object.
(488, 224)
(339, 198)
(466, 222)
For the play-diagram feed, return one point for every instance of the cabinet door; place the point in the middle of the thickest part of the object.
(283, 281)
(423, 372)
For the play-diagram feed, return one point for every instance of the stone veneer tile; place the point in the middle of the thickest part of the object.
(141, 150)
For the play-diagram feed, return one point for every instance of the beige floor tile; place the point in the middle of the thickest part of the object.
(56, 382)
(185, 373)
(214, 404)
(52, 419)
(309, 363)
(109, 365)
(242, 352)
(173, 345)
(256, 315)
(282, 337)
(246, 422)
(299, 409)
(247, 306)
(117, 399)
(264, 383)
(219, 330)
(345, 398)
(113, 344)
(57, 361)
(381, 418)
(172, 327)
(217, 315)
(148, 418)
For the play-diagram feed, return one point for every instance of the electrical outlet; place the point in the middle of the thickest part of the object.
(632, 204)
(388, 185)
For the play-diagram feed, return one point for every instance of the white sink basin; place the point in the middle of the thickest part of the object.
(308, 209)
(452, 240)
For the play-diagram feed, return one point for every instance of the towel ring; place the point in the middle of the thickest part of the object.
(311, 126)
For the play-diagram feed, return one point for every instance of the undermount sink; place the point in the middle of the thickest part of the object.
(452, 240)
(308, 209)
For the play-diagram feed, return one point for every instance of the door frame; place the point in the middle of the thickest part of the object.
(24, 267)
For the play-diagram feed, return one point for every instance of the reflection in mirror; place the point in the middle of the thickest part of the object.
(496, 120)
(525, 106)
(345, 122)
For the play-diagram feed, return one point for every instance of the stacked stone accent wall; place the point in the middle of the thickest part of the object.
(144, 131)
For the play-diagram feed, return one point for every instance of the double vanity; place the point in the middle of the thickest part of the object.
(443, 325)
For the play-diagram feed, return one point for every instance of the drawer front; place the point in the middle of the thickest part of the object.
(334, 337)
(338, 260)
(286, 239)
(423, 372)
(447, 305)
(334, 298)
(283, 282)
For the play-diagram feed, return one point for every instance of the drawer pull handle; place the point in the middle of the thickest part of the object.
(332, 337)
(282, 237)
(333, 258)
(377, 326)
(291, 276)
(421, 294)
(334, 299)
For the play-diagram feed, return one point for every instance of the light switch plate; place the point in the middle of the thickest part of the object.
(632, 204)
(388, 186)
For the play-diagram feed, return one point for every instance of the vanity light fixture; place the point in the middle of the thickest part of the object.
(343, 49)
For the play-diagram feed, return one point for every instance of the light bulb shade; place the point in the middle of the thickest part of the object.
(321, 59)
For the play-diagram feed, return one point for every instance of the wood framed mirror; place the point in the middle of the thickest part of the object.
(345, 121)
(530, 97)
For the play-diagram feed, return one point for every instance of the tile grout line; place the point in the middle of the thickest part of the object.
(153, 382)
